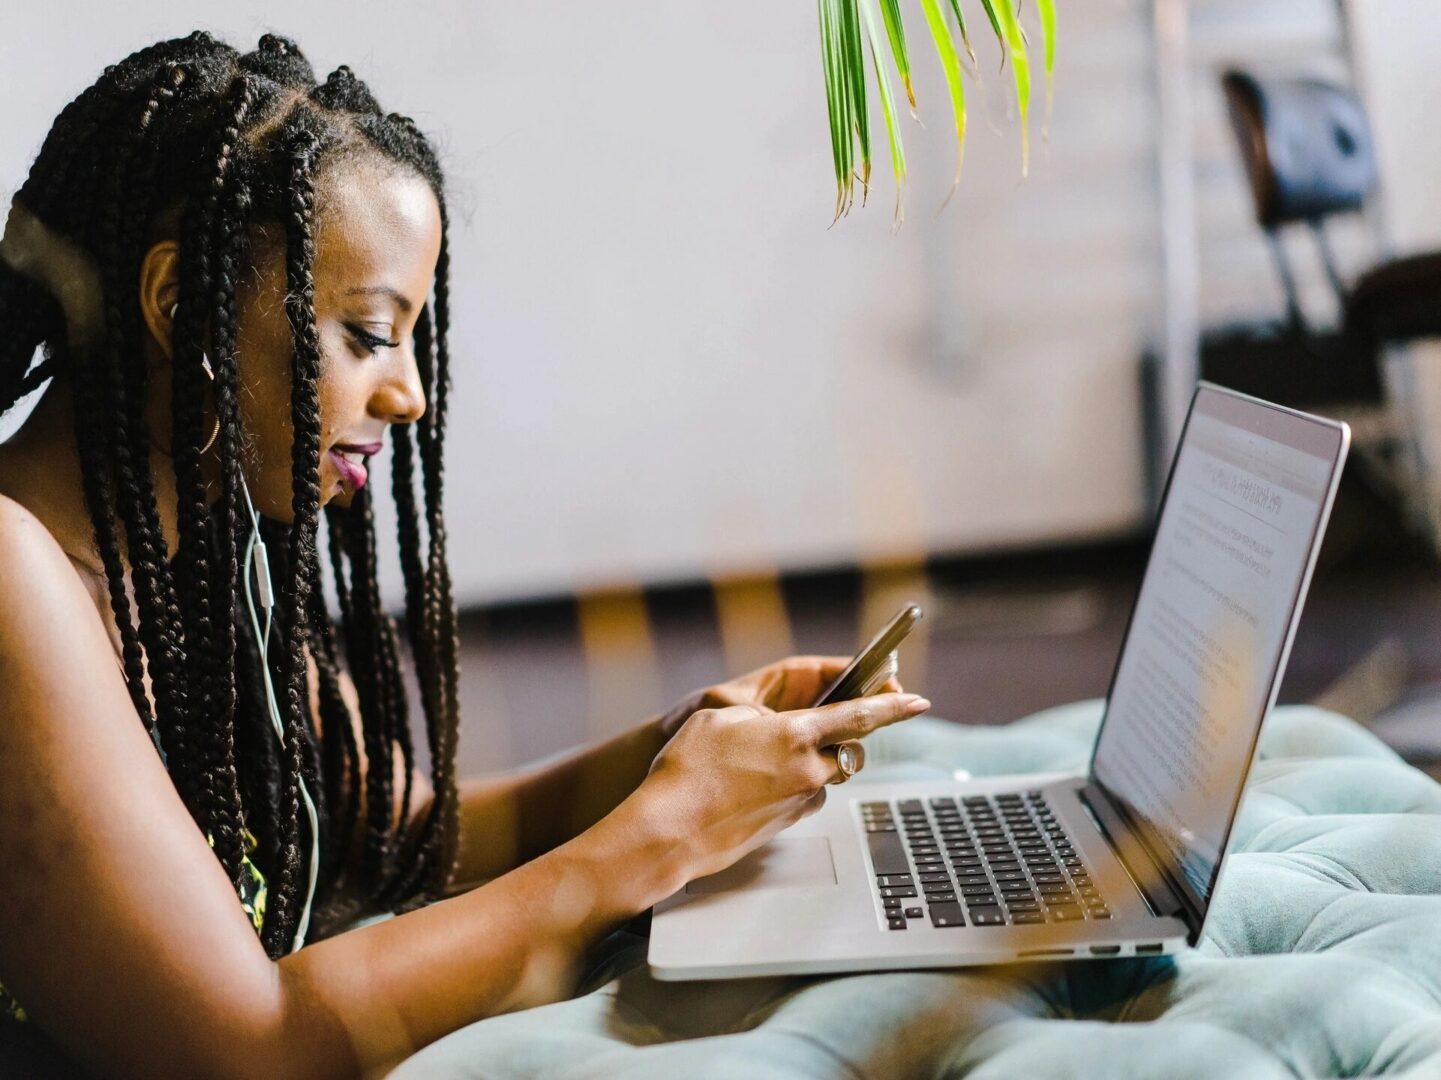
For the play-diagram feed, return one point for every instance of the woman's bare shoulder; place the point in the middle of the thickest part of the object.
(40, 575)
(24, 536)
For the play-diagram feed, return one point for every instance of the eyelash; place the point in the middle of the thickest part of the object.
(368, 341)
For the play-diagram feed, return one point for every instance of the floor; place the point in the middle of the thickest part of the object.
(1003, 636)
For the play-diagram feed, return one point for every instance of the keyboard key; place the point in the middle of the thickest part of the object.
(924, 879)
(1022, 918)
(898, 922)
(910, 806)
(876, 806)
(1065, 914)
(914, 913)
(980, 901)
(887, 828)
(947, 914)
(976, 890)
(938, 886)
(887, 854)
(898, 892)
(1010, 875)
(1102, 913)
(986, 916)
(940, 897)
(943, 802)
(1022, 905)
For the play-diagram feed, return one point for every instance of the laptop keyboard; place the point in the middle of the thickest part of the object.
(999, 860)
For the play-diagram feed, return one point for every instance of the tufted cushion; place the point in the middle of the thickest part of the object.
(1322, 956)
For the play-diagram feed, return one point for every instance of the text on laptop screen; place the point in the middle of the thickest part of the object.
(1246, 496)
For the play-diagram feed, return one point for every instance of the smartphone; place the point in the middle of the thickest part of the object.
(874, 664)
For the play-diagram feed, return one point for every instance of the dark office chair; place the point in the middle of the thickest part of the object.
(1308, 154)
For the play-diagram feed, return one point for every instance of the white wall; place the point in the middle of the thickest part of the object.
(668, 365)
(1395, 43)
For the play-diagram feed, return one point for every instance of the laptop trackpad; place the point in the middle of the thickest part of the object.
(801, 860)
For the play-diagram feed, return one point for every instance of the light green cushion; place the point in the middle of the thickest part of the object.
(1322, 956)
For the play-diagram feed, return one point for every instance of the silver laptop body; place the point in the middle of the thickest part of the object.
(1121, 861)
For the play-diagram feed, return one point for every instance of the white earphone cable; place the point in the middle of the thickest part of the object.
(256, 556)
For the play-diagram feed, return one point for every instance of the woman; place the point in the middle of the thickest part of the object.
(237, 278)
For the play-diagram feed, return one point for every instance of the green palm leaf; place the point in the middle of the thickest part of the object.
(951, 66)
(896, 31)
(965, 37)
(844, 40)
(888, 109)
(854, 64)
(1015, 41)
(838, 101)
(1047, 11)
(995, 25)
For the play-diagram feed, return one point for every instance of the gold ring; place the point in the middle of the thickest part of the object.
(850, 759)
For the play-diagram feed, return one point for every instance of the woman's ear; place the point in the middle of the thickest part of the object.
(160, 292)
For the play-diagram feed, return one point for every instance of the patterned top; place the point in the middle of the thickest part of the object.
(252, 899)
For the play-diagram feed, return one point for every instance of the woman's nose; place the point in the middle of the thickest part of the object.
(400, 398)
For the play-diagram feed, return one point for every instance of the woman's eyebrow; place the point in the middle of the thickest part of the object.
(382, 290)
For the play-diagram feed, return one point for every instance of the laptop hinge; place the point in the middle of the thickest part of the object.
(1149, 878)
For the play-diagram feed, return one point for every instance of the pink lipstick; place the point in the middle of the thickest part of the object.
(351, 468)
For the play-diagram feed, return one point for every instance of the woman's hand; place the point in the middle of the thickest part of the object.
(733, 777)
(793, 683)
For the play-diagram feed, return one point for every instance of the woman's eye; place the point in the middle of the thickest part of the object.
(368, 341)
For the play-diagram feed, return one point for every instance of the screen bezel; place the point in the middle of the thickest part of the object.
(1332, 436)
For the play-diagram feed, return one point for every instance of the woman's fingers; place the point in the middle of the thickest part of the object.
(831, 724)
(799, 680)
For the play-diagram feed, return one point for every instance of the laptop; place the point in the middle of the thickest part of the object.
(1123, 860)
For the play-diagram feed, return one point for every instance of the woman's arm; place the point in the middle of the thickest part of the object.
(509, 819)
(125, 941)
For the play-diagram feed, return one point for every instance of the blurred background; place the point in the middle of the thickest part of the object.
(694, 428)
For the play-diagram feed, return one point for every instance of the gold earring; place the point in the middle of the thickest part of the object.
(210, 374)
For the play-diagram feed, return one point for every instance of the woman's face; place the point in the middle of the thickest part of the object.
(377, 239)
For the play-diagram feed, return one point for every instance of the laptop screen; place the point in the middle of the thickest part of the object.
(1249, 491)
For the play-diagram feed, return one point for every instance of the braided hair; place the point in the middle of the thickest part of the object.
(191, 131)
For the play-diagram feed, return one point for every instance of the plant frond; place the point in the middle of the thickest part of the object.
(888, 110)
(951, 66)
(1015, 41)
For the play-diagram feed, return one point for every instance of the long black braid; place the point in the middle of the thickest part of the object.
(188, 136)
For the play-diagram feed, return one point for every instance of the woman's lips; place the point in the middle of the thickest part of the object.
(352, 473)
